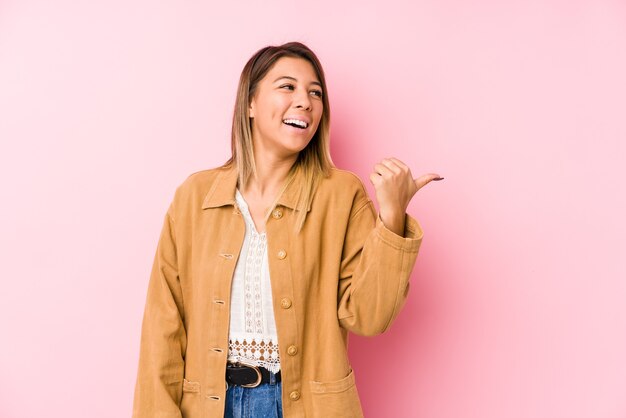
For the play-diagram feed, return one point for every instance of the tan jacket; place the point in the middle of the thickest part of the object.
(345, 271)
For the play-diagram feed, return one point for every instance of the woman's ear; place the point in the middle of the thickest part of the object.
(251, 109)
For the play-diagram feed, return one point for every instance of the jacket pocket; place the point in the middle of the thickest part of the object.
(190, 401)
(337, 399)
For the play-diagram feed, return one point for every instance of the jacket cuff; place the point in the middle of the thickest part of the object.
(413, 234)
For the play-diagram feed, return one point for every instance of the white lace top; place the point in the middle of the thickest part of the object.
(252, 337)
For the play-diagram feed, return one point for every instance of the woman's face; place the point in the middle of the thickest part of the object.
(290, 90)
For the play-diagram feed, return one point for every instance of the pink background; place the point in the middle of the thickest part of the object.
(518, 300)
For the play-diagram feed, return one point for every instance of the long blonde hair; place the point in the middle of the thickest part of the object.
(314, 161)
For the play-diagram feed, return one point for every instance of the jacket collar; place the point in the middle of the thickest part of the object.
(222, 191)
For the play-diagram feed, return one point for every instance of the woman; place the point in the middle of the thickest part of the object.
(264, 264)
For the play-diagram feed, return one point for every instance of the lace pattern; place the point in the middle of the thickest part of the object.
(252, 283)
(263, 353)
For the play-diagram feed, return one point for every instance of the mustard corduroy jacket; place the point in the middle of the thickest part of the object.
(345, 271)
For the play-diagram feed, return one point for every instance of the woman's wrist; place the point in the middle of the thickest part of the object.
(394, 221)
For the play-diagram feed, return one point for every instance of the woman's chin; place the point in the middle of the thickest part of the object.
(295, 145)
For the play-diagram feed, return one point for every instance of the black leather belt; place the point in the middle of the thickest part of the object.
(248, 376)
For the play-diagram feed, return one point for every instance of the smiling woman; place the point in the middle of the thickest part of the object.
(286, 109)
(265, 264)
(279, 86)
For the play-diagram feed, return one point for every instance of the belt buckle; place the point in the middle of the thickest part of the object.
(258, 374)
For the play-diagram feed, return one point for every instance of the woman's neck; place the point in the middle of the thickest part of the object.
(271, 174)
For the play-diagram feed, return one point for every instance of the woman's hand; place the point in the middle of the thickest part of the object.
(395, 187)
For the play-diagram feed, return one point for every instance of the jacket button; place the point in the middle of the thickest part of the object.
(277, 214)
(295, 395)
(285, 303)
(282, 254)
(292, 350)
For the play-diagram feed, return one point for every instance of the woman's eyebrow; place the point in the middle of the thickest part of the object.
(291, 78)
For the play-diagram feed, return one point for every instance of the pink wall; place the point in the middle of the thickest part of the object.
(518, 299)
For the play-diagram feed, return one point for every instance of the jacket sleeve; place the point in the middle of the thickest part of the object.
(158, 388)
(375, 269)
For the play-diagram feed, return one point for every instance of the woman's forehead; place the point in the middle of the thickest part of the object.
(294, 69)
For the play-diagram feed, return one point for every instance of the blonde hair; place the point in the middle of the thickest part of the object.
(314, 161)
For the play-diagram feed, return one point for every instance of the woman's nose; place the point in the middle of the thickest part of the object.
(303, 100)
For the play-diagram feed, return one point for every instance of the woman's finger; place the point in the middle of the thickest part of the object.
(399, 163)
(422, 181)
(390, 164)
(382, 169)
(375, 179)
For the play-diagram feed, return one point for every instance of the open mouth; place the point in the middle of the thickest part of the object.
(296, 123)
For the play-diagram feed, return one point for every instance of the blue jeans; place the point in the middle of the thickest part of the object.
(263, 401)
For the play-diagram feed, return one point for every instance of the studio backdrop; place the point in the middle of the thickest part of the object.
(517, 300)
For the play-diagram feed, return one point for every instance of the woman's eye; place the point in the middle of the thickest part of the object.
(318, 93)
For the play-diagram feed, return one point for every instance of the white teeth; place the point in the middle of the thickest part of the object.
(297, 122)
